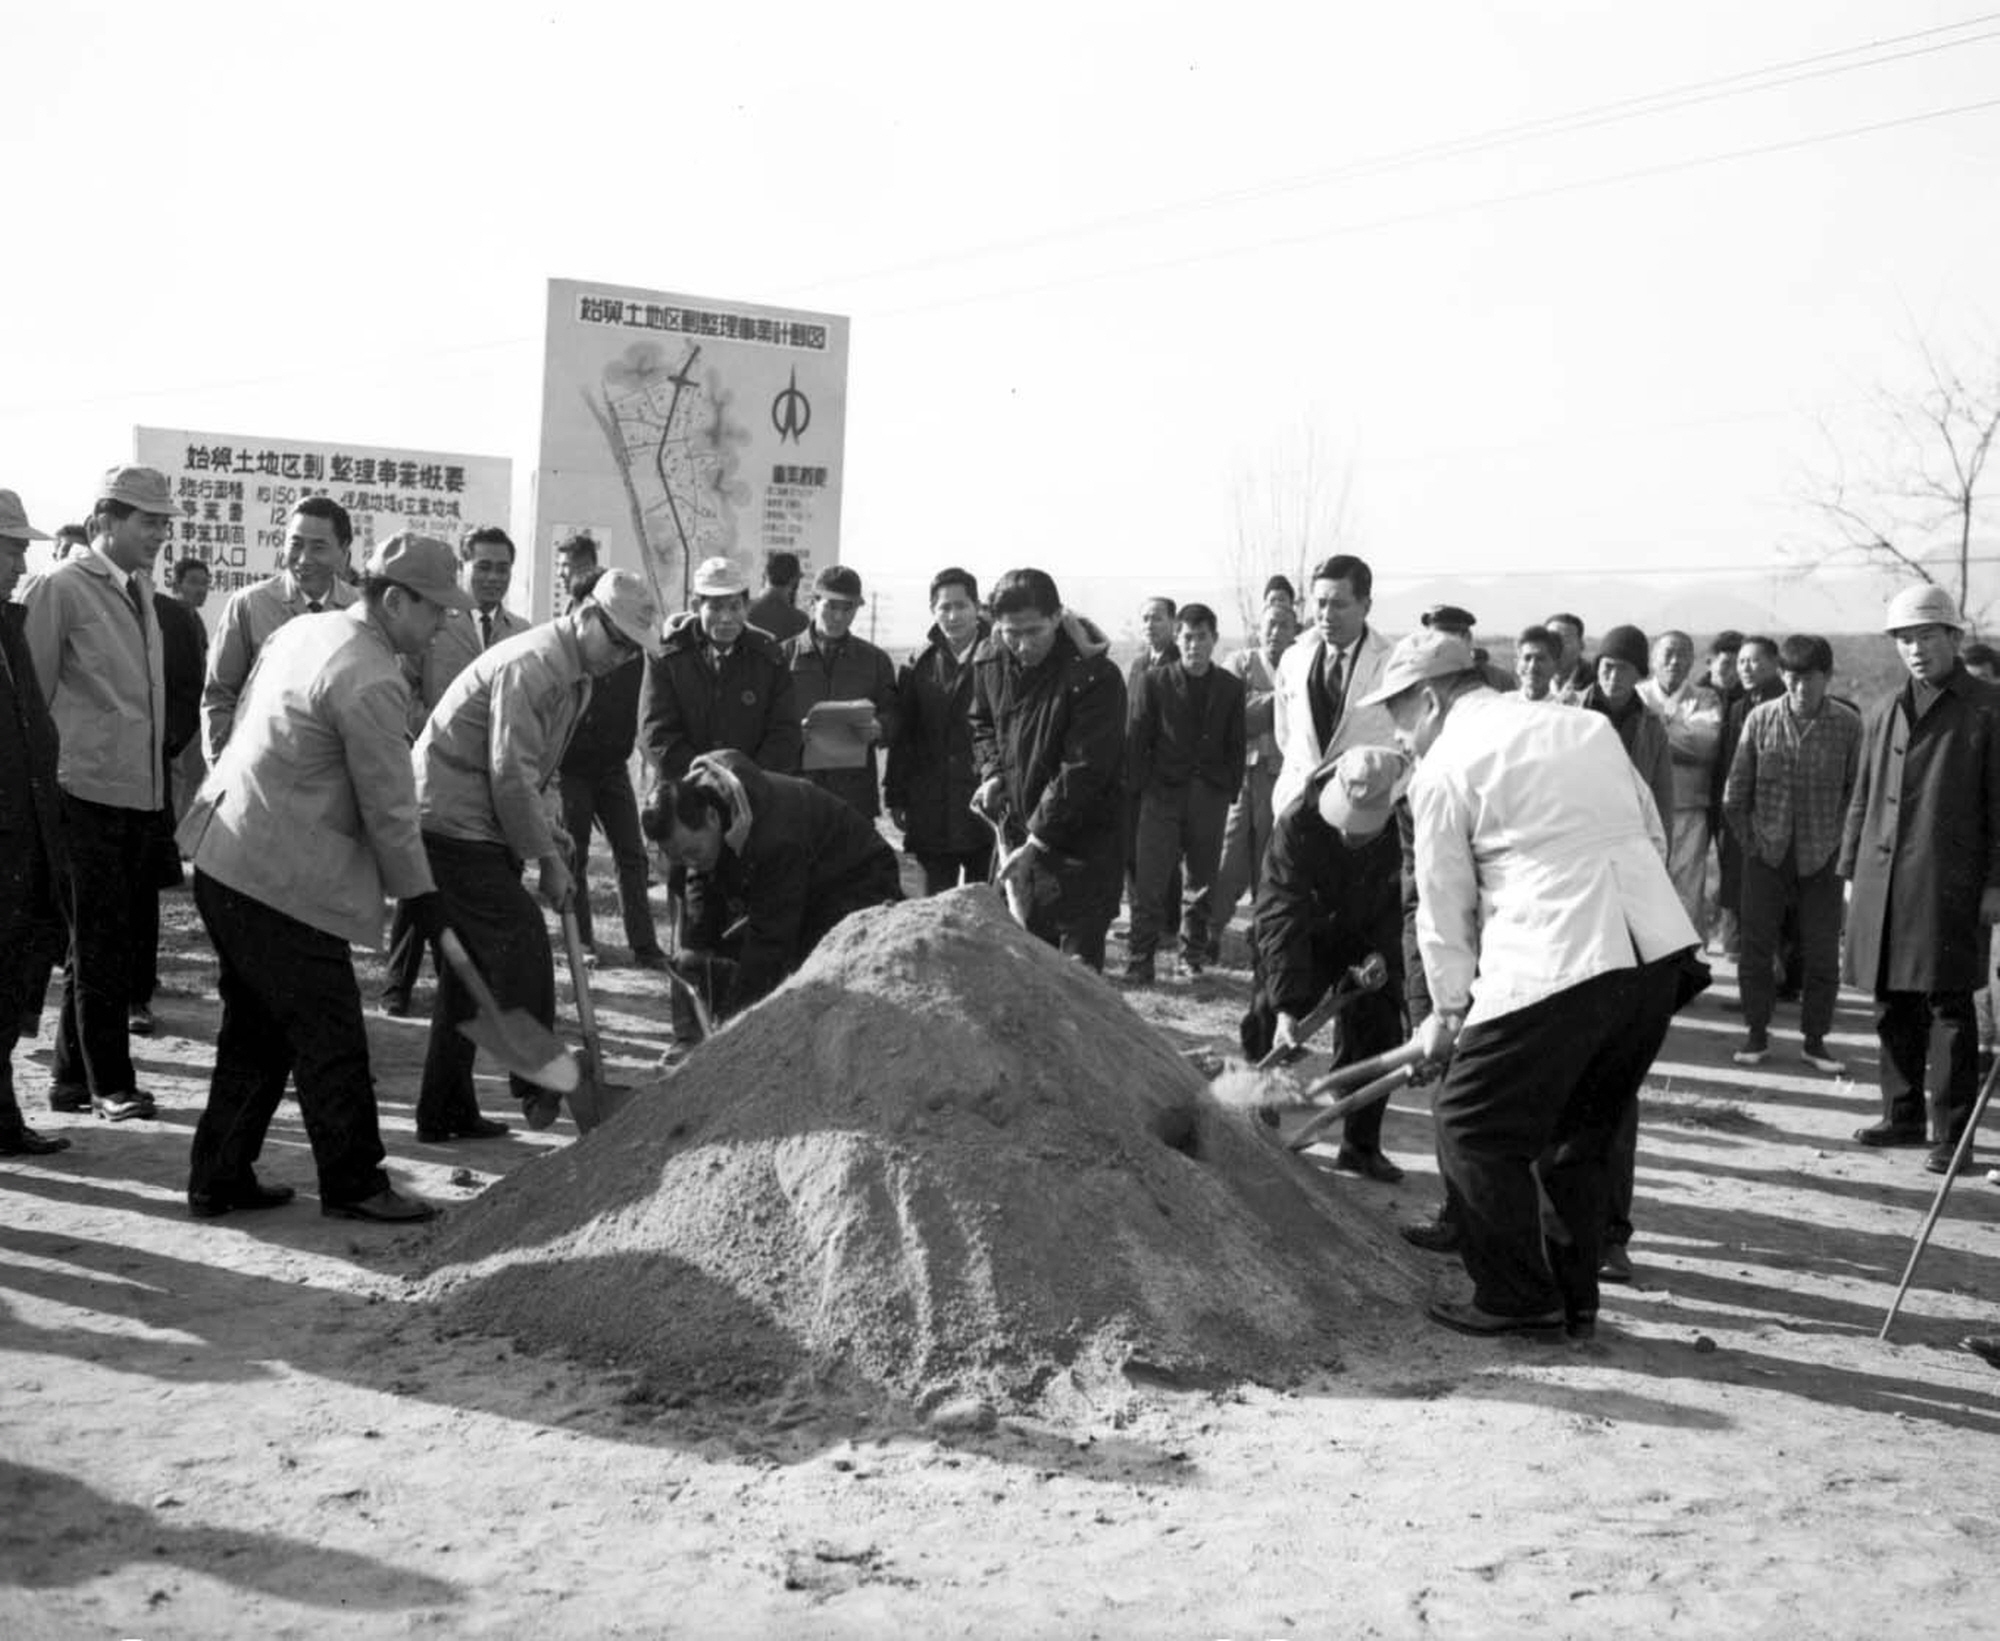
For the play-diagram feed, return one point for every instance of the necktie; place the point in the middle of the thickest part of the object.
(137, 597)
(485, 629)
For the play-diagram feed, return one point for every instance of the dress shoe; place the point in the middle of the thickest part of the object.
(248, 1194)
(1614, 1264)
(23, 1141)
(1985, 1346)
(1466, 1317)
(1582, 1327)
(386, 1207)
(1434, 1236)
(477, 1128)
(69, 1097)
(1883, 1134)
(1139, 973)
(1351, 1159)
(139, 1020)
(1940, 1160)
(128, 1106)
(540, 1109)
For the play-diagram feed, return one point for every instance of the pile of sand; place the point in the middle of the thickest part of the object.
(942, 1160)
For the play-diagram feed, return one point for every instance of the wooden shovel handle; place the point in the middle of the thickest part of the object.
(467, 971)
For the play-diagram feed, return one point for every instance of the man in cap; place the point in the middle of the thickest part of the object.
(777, 609)
(597, 791)
(486, 570)
(1324, 676)
(772, 863)
(1246, 830)
(1555, 950)
(1691, 714)
(1048, 740)
(1456, 619)
(95, 640)
(487, 764)
(30, 861)
(317, 536)
(718, 682)
(307, 821)
(1332, 898)
(830, 663)
(1921, 848)
(1623, 659)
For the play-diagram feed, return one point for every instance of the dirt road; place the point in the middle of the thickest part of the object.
(247, 1427)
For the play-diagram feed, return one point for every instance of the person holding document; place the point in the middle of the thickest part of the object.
(845, 690)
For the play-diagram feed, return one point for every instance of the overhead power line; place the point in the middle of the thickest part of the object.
(1771, 77)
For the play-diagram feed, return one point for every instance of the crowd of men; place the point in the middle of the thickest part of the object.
(1537, 858)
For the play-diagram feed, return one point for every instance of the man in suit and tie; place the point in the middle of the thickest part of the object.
(1323, 678)
(1184, 751)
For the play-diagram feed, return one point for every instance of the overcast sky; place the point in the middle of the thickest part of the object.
(1106, 264)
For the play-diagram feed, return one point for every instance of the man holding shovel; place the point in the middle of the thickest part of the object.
(487, 766)
(306, 822)
(1556, 952)
(1333, 894)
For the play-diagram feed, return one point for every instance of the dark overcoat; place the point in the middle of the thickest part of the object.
(930, 774)
(1922, 841)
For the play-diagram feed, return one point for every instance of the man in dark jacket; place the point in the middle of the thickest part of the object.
(30, 837)
(1332, 895)
(1922, 850)
(930, 779)
(776, 610)
(772, 863)
(597, 787)
(829, 663)
(718, 683)
(1184, 757)
(1623, 658)
(1048, 738)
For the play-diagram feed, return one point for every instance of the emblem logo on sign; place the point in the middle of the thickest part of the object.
(791, 411)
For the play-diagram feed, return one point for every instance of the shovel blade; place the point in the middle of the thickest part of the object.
(525, 1048)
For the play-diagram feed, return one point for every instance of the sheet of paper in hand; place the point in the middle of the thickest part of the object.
(838, 734)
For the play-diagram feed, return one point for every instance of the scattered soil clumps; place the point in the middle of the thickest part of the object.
(943, 1161)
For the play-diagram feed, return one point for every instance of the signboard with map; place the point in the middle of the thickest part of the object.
(233, 493)
(679, 428)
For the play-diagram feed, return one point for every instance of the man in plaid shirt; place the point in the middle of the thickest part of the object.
(1786, 800)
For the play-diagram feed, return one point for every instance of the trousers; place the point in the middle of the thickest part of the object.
(1246, 834)
(110, 851)
(1544, 1091)
(291, 1009)
(1768, 894)
(1180, 835)
(1930, 1058)
(503, 932)
(606, 797)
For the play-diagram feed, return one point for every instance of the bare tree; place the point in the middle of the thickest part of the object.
(1291, 509)
(1911, 491)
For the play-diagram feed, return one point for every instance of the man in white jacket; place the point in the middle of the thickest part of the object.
(1553, 944)
(1319, 709)
(1691, 712)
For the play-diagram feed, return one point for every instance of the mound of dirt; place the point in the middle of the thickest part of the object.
(942, 1160)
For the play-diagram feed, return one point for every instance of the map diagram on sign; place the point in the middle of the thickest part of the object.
(669, 426)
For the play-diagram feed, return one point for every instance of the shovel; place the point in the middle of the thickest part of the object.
(592, 1099)
(519, 1042)
(1014, 892)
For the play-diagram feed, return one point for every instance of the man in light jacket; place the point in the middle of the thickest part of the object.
(487, 767)
(1325, 677)
(306, 822)
(317, 538)
(95, 640)
(1691, 713)
(1554, 948)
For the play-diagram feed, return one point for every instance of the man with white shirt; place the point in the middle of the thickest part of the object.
(1323, 679)
(1691, 712)
(94, 637)
(317, 537)
(1554, 947)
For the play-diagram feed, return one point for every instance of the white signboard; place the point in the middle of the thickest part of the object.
(679, 428)
(235, 492)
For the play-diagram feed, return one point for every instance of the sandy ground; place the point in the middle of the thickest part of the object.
(248, 1427)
